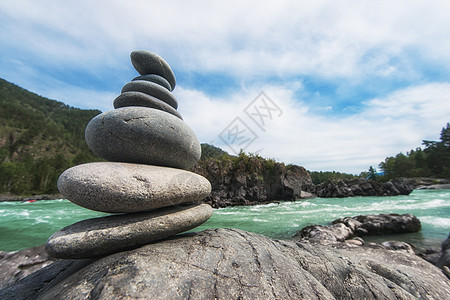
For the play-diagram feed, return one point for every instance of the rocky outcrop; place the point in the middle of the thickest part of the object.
(18, 264)
(253, 181)
(234, 264)
(363, 187)
(345, 228)
(430, 183)
(249, 180)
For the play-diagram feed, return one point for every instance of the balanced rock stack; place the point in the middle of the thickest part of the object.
(148, 146)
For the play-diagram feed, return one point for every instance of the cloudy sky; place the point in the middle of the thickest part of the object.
(330, 85)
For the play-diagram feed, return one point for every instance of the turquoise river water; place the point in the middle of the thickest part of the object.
(24, 225)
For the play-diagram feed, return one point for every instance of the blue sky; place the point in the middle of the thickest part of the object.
(349, 82)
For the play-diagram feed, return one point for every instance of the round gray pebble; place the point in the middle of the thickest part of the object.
(143, 135)
(152, 89)
(146, 62)
(154, 78)
(106, 235)
(140, 99)
(123, 187)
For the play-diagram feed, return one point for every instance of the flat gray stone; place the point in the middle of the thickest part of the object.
(106, 235)
(143, 135)
(142, 99)
(146, 62)
(123, 187)
(152, 89)
(154, 78)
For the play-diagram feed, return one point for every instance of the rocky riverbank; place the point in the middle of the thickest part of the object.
(351, 230)
(364, 187)
(253, 180)
(233, 186)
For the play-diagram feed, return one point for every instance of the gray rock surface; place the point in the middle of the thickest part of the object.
(398, 245)
(152, 89)
(18, 264)
(123, 187)
(106, 235)
(154, 78)
(144, 100)
(234, 264)
(146, 62)
(143, 135)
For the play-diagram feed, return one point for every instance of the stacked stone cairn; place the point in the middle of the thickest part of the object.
(148, 148)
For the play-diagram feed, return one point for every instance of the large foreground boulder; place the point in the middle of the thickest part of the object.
(234, 264)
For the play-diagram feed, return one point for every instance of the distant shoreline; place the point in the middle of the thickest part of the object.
(11, 197)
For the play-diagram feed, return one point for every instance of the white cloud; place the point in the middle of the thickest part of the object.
(386, 126)
(327, 38)
(250, 41)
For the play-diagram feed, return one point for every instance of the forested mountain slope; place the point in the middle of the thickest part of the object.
(39, 138)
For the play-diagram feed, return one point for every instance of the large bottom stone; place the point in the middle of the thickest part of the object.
(123, 187)
(106, 235)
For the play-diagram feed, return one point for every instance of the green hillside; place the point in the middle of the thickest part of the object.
(39, 138)
(210, 151)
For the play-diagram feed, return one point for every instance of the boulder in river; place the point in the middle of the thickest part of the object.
(363, 187)
(348, 227)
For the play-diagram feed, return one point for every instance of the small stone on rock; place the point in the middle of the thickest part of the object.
(154, 78)
(145, 100)
(146, 62)
(152, 89)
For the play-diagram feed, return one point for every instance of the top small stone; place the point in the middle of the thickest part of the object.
(146, 62)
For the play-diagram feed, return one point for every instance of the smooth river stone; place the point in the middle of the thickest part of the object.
(123, 187)
(106, 235)
(146, 62)
(154, 78)
(152, 89)
(143, 135)
(141, 99)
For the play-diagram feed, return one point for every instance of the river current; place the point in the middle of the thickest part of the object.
(28, 224)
